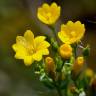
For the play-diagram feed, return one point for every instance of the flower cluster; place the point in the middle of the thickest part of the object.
(64, 69)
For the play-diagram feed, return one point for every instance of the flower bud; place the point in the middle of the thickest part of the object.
(50, 66)
(89, 73)
(78, 64)
(86, 51)
(93, 82)
(72, 88)
(65, 51)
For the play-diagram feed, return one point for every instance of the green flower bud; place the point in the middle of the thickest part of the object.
(86, 51)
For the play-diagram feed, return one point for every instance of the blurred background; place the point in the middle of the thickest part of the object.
(16, 16)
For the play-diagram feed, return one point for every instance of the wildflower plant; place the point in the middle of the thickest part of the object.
(64, 70)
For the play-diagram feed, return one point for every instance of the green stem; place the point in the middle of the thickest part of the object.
(59, 91)
(57, 88)
(54, 32)
(56, 84)
(75, 50)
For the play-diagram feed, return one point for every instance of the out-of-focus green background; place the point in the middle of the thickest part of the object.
(16, 16)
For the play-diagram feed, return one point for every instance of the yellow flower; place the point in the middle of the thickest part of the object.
(71, 32)
(29, 48)
(78, 64)
(48, 14)
(65, 51)
(89, 73)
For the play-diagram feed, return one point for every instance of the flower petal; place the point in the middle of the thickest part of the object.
(20, 51)
(37, 56)
(41, 16)
(43, 45)
(45, 7)
(18, 47)
(55, 9)
(44, 51)
(63, 37)
(28, 60)
(40, 43)
(39, 39)
(21, 40)
(54, 5)
(20, 54)
(29, 36)
(70, 23)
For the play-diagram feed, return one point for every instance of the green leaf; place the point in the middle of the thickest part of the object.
(64, 84)
(48, 84)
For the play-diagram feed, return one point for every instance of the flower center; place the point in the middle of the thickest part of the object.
(48, 15)
(73, 34)
(30, 49)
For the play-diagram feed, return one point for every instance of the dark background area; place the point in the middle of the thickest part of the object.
(16, 16)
